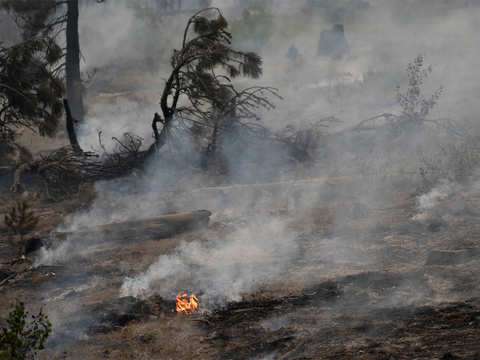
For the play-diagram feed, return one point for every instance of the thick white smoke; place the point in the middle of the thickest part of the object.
(356, 87)
(224, 269)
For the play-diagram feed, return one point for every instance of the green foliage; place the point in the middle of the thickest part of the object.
(203, 70)
(30, 89)
(415, 106)
(23, 337)
(200, 91)
(212, 46)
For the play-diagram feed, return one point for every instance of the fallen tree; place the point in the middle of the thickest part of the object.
(151, 229)
(67, 167)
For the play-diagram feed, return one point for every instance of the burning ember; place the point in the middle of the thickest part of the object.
(187, 304)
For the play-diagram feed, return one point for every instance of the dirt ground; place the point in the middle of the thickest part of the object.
(378, 285)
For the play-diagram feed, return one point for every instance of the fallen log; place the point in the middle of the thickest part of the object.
(145, 229)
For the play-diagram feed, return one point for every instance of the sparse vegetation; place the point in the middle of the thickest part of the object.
(303, 143)
(20, 220)
(455, 162)
(24, 335)
(415, 105)
(308, 229)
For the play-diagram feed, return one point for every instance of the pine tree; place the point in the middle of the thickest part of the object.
(23, 335)
(30, 87)
(49, 19)
(20, 221)
(201, 79)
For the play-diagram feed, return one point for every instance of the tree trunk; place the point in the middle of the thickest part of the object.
(74, 82)
(162, 135)
(72, 135)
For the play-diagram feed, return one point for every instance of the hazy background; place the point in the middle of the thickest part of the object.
(129, 50)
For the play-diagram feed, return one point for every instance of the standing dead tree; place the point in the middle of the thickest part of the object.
(303, 142)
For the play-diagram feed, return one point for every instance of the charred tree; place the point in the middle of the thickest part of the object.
(72, 65)
(72, 135)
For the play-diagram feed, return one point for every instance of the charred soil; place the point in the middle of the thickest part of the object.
(371, 284)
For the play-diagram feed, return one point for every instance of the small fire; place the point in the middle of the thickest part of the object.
(187, 304)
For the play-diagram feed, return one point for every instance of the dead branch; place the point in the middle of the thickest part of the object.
(67, 167)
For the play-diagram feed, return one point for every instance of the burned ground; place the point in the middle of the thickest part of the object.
(378, 284)
(342, 223)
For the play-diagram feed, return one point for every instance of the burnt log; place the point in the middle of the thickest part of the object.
(145, 229)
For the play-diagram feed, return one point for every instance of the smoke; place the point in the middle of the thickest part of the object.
(222, 270)
(122, 41)
(359, 86)
(9, 32)
(428, 203)
(61, 253)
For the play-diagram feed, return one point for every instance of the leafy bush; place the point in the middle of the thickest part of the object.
(23, 337)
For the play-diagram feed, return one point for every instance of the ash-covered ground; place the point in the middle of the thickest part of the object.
(364, 245)
(293, 284)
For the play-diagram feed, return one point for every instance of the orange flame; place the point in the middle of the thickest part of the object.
(187, 304)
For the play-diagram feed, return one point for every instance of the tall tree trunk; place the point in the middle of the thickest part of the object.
(72, 135)
(74, 82)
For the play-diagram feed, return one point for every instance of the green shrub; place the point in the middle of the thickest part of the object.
(23, 336)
